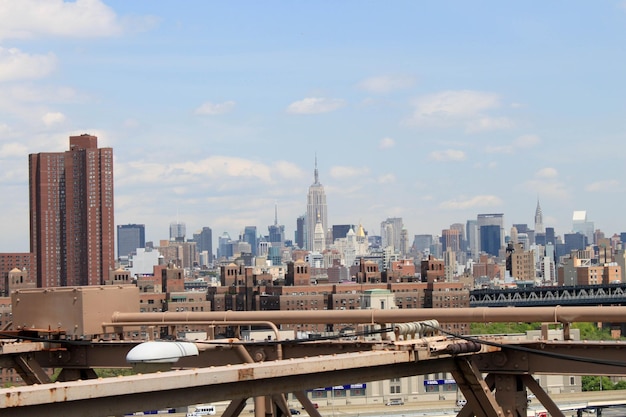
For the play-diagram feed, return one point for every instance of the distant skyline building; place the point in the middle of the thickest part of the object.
(488, 239)
(391, 232)
(539, 227)
(276, 231)
(204, 242)
(341, 230)
(473, 238)
(178, 231)
(224, 246)
(422, 243)
(130, 237)
(250, 236)
(72, 229)
(450, 239)
(462, 240)
(316, 209)
(581, 225)
(300, 233)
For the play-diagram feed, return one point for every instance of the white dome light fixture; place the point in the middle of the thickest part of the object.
(161, 352)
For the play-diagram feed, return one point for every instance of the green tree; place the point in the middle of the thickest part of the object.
(590, 331)
(502, 328)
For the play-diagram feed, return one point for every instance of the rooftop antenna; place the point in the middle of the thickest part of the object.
(316, 175)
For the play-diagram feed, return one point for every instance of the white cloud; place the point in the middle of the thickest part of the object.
(348, 172)
(386, 83)
(17, 65)
(229, 171)
(546, 182)
(315, 105)
(209, 108)
(386, 143)
(599, 186)
(52, 118)
(546, 173)
(527, 141)
(287, 169)
(478, 201)
(448, 155)
(522, 142)
(464, 107)
(386, 179)
(13, 150)
(32, 94)
(22, 19)
(489, 123)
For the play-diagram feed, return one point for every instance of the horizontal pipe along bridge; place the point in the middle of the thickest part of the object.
(493, 372)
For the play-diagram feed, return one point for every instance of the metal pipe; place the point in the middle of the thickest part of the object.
(144, 322)
(556, 314)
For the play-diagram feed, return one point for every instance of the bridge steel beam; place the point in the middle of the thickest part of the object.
(114, 396)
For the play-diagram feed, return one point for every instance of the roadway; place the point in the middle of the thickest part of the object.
(568, 402)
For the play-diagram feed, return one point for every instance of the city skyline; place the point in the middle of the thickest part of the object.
(433, 113)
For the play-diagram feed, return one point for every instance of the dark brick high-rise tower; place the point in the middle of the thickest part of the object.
(72, 232)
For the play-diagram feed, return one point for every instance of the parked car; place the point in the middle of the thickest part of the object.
(293, 411)
(395, 401)
(461, 402)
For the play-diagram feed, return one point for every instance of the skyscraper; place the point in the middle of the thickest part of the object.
(204, 242)
(539, 228)
(300, 233)
(129, 238)
(72, 232)
(581, 225)
(276, 232)
(391, 232)
(488, 240)
(178, 231)
(315, 208)
(250, 236)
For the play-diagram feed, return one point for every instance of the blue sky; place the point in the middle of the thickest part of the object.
(430, 111)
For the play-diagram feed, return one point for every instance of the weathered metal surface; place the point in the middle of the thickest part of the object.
(556, 314)
(557, 358)
(480, 400)
(79, 311)
(30, 370)
(179, 388)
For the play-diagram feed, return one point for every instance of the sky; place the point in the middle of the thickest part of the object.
(216, 111)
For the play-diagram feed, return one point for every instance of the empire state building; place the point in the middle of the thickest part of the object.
(315, 209)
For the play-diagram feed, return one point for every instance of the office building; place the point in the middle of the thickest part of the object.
(581, 225)
(490, 240)
(490, 232)
(472, 238)
(391, 232)
(129, 238)
(316, 209)
(250, 236)
(341, 230)
(300, 233)
(422, 243)
(72, 232)
(204, 242)
(276, 232)
(450, 240)
(178, 231)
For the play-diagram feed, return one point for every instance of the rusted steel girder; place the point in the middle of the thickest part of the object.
(556, 314)
(114, 396)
